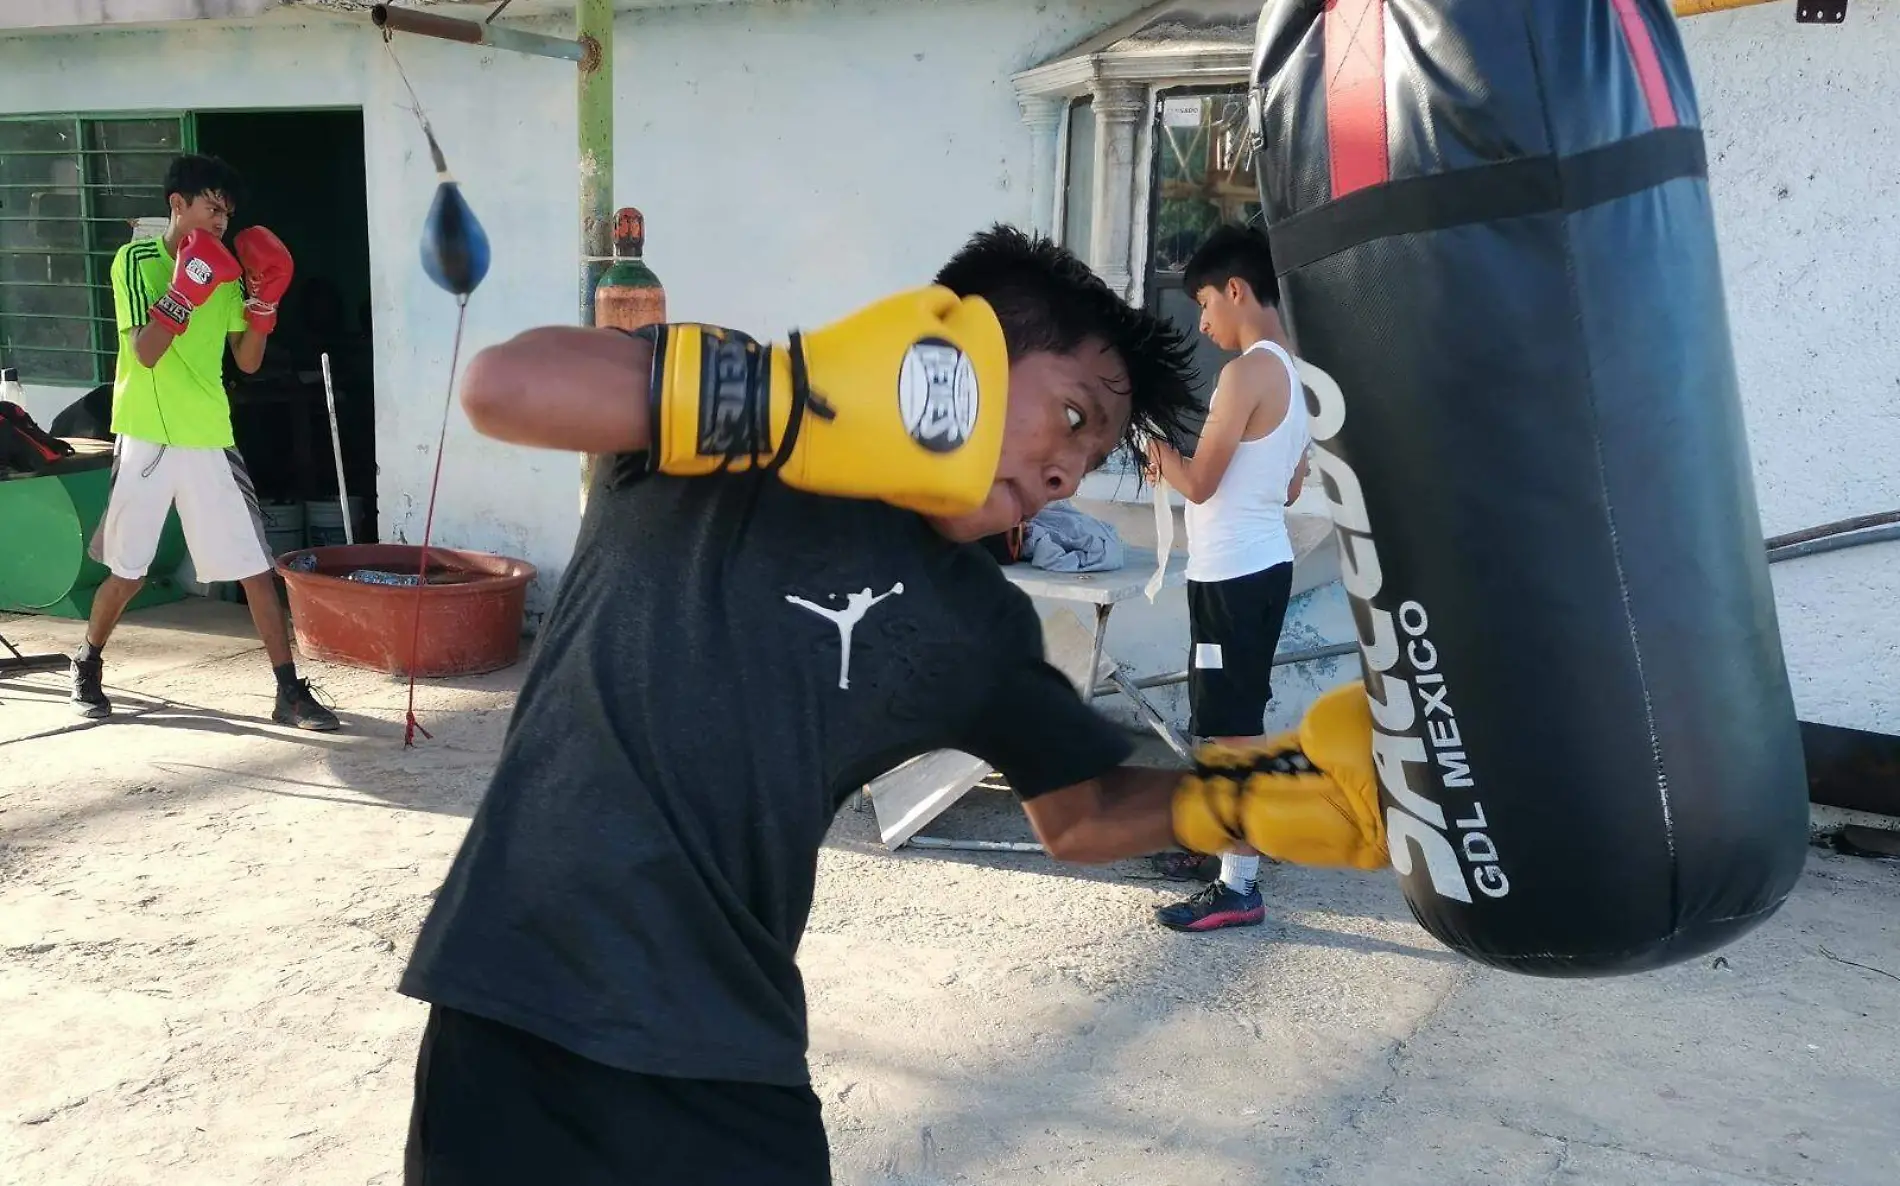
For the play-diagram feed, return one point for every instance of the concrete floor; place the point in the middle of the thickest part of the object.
(201, 921)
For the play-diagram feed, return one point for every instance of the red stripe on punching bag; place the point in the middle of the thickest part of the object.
(1355, 94)
(1649, 72)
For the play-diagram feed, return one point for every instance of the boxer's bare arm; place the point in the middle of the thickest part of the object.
(562, 387)
(1253, 384)
(1127, 812)
(1299, 479)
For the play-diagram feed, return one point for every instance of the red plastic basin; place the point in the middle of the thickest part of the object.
(467, 627)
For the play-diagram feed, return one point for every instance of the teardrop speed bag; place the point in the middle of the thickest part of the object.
(1493, 226)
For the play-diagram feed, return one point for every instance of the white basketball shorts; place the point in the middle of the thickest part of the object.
(217, 507)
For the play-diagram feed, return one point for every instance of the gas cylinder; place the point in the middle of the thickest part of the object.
(628, 296)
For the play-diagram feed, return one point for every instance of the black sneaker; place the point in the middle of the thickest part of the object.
(89, 695)
(297, 705)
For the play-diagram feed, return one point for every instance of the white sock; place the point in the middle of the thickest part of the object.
(1237, 873)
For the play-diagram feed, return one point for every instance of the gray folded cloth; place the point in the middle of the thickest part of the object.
(1063, 539)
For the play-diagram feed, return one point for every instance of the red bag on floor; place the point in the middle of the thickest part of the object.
(24, 445)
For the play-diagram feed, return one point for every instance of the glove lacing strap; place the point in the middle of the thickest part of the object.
(750, 437)
(804, 399)
(1237, 768)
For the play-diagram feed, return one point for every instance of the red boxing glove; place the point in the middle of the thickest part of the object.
(267, 272)
(203, 264)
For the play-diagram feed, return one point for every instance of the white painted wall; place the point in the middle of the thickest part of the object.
(796, 159)
(1802, 121)
(507, 124)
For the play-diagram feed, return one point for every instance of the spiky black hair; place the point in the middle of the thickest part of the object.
(1234, 253)
(190, 175)
(1049, 300)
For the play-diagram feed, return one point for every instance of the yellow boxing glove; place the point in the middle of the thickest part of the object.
(1309, 797)
(903, 401)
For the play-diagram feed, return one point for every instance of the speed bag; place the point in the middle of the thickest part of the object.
(1492, 225)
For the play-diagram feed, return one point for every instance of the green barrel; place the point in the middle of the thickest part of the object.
(46, 523)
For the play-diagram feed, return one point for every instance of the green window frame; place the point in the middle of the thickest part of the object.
(71, 187)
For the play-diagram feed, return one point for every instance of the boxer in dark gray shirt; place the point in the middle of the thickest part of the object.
(612, 961)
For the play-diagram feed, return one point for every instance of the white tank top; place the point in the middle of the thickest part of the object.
(1242, 528)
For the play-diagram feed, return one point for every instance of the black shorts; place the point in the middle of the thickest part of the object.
(496, 1106)
(1234, 626)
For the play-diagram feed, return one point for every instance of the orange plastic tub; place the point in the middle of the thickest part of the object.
(472, 609)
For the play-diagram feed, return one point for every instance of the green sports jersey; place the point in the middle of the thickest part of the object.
(180, 401)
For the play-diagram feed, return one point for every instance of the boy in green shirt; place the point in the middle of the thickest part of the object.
(180, 299)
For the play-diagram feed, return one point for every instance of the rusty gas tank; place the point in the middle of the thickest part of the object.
(629, 295)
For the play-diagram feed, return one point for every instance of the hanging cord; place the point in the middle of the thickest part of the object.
(415, 104)
(412, 726)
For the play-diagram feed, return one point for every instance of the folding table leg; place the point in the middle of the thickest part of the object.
(15, 661)
(1095, 654)
(1159, 724)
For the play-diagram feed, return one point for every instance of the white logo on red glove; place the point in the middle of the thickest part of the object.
(937, 395)
(198, 270)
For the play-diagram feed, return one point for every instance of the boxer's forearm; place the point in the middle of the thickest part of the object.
(247, 350)
(1127, 812)
(562, 387)
(1181, 474)
(151, 341)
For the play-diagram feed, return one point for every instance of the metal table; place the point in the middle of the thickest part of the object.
(908, 798)
(1102, 592)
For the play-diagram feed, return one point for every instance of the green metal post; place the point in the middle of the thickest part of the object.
(593, 49)
(596, 30)
(594, 21)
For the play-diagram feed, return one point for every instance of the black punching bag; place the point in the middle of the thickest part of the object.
(1493, 224)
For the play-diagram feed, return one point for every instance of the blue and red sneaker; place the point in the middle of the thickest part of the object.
(1215, 907)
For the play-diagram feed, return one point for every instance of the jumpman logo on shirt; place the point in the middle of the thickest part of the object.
(855, 607)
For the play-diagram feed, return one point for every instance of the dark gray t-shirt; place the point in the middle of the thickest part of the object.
(726, 662)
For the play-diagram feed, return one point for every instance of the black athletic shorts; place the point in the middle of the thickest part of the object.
(1234, 626)
(496, 1106)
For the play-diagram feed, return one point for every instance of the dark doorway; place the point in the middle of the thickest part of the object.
(305, 179)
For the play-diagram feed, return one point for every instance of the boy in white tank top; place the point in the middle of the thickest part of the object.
(1246, 469)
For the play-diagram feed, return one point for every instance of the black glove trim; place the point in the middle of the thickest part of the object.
(804, 399)
(654, 335)
(734, 425)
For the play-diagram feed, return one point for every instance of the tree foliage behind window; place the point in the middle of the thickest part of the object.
(1203, 172)
(1203, 177)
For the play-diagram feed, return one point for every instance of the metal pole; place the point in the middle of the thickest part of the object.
(426, 24)
(336, 446)
(975, 845)
(1175, 741)
(1329, 651)
(592, 50)
(594, 21)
